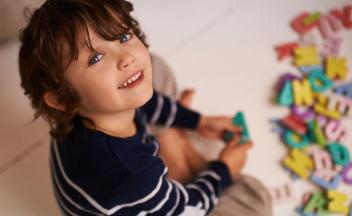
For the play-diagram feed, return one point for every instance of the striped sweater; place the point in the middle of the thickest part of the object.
(94, 173)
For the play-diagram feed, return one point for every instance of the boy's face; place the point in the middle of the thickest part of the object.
(98, 77)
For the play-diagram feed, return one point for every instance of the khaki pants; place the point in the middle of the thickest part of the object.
(247, 196)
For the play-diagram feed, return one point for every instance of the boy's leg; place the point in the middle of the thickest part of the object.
(183, 161)
(172, 151)
(247, 196)
(178, 154)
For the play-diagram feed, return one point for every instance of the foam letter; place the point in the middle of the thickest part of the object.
(308, 69)
(298, 23)
(328, 25)
(299, 163)
(339, 153)
(304, 113)
(302, 92)
(306, 56)
(322, 160)
(326, 184)
(295, 140)
(312, 18)
(332, 46)
(286, 98)
(345, 89)
(321, 107)
(345, 106)
(282, 194)
(347, 174)
(316, 204)
(335, 131)
(336, 68)
(319, 81)
(240, 121)
(345, 16)
(285, 50)
(337, 202)
(318, 134)
(295, 123)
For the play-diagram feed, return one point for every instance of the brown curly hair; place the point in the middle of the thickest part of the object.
(42, 59)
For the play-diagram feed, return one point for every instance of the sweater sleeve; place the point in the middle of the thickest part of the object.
(145, 193)
(164, 111)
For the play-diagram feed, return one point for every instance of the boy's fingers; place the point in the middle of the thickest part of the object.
(230, 126)
(247, 145)
(235, 140)
(235, 129)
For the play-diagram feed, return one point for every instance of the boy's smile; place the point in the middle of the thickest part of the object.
(133, 80)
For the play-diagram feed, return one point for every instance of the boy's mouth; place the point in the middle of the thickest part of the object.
(133, 80)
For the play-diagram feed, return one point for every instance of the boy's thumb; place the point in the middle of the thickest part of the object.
(246, 146)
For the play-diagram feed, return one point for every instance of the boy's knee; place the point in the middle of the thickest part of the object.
(258, 189)
(180, 172)
(248, 196)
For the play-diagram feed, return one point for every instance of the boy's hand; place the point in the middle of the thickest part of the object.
(216, 127)
(234, 155)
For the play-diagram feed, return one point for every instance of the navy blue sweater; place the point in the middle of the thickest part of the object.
(95, 173)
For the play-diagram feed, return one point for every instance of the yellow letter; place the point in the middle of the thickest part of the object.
(302, 92)
(336, 68)
(337, 202)
(306, 56)
(299, 163)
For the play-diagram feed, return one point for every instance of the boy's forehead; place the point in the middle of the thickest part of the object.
(80, 44)
(82, 39)
(93, 35)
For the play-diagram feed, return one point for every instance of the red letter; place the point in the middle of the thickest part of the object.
(298, 23)
(285, 50)
(344, 16)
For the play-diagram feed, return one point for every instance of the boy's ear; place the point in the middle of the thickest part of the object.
(51, 101)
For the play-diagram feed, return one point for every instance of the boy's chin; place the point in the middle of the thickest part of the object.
(147, 95)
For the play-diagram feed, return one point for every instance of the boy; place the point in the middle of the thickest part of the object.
(86, 68)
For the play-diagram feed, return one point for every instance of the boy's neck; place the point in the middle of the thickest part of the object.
(118, 125)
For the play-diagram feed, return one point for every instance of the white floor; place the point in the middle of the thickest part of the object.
(223, 49)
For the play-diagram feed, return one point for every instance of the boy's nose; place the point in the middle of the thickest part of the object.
(126, 61)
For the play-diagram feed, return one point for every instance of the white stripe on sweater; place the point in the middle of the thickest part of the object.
(194, 210)
(170, 213)
(183, 190)
(156, 147)
(210, 173)
(172, 115)
(63, 205)
(211, 188)
(159, 106)
(94, 202)
(56, 180)
(204, 195)
(161, 204)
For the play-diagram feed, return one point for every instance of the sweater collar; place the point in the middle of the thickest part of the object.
(136, 138)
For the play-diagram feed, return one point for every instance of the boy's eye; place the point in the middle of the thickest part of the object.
(96, 58)
(125, 37)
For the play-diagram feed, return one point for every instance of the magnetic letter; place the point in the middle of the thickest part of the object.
(306, 56)
(299, 163)
(298, 23)
(336, 68)
(339, 153)
(302, 92)
(337, 202)
(319, 81)
(285, 50)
